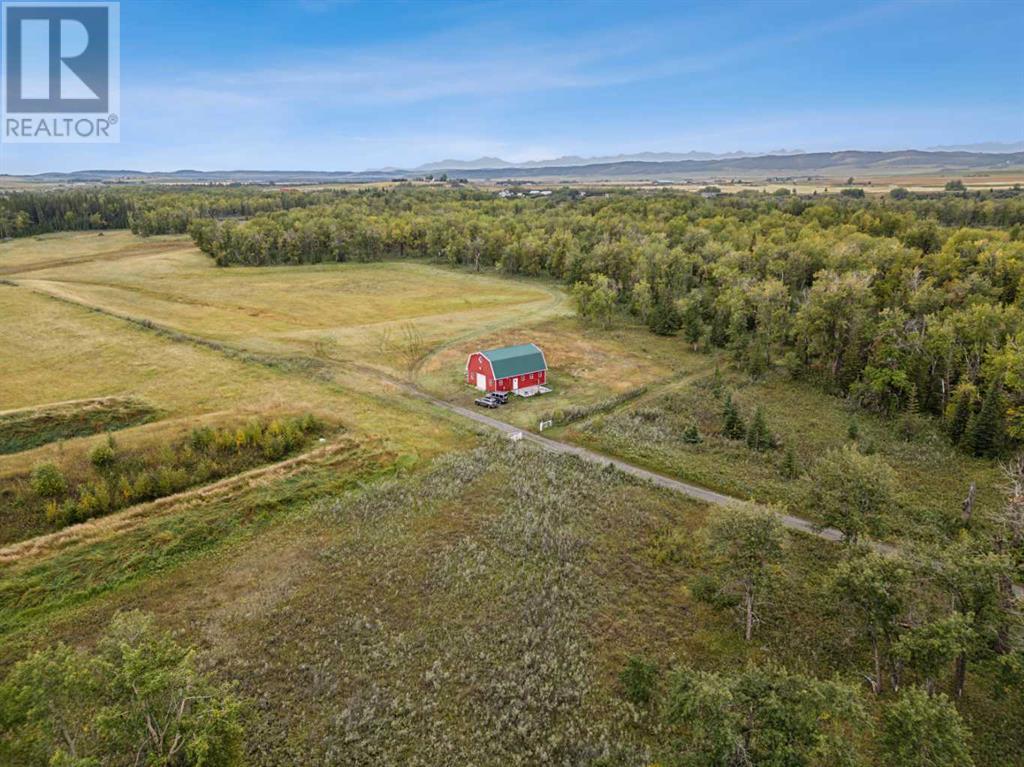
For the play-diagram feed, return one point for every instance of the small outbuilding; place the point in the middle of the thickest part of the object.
(517, 369)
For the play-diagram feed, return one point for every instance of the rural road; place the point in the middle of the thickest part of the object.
(693, 491)
(789, 521)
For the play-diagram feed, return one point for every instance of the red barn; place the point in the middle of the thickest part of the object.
(512, 369)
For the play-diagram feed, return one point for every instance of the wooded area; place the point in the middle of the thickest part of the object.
(907, 305)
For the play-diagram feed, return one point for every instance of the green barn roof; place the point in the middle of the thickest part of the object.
(515, 360)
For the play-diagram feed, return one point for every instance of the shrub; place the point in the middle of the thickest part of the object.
(125, 491)
(691, 435)
(169, 480)
(638, 680)
(206, 469)
(144, 485)
(201, 439)
(274, 448)
(56, 514)
(708, 590)
(48, 481)
(94, 500)
(104, 455)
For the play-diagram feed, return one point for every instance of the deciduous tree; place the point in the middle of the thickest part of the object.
(747, 543)
(852, 492)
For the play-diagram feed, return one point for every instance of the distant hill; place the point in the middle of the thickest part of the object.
(575, 160)
(815, 163)
(836, 164)
(984, 146)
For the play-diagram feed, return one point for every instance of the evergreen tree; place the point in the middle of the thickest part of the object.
(985, 430)
(759, 436)
(958, 415)
(691, 435)
(733, 426)
(790, 469)
(664, 319)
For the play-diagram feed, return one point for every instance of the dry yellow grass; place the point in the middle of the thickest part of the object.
(52, 250)
(55, 351)
(380, 314)
(346, 331)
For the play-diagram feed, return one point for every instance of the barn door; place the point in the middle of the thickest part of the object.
(515, 384)
(481, 382)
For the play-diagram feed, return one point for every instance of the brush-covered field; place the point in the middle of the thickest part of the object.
(375, 579)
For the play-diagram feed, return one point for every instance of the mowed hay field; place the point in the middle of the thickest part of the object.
(28, 254)
(252, 340)
(381, 314)
(55, 351)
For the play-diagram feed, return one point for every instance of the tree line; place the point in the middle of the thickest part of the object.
(906, 303)
(146, 211)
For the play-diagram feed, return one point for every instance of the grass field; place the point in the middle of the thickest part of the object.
(412, 593)
(248, 341)
(407, 621)
(380, 314)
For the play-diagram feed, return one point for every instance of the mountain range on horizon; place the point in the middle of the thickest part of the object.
(569, 161)
(576, 160)
(737, 165)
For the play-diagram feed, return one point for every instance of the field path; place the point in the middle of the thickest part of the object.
(150, 249)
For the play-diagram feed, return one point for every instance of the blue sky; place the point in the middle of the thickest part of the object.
(330, 85)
